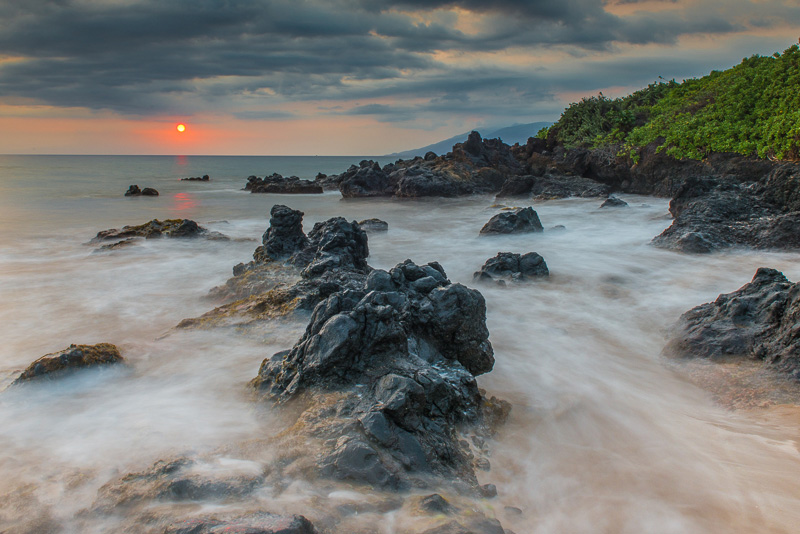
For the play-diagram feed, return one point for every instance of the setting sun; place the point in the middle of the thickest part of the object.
(181, 127)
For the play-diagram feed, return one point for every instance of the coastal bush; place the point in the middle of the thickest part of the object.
(752, 109)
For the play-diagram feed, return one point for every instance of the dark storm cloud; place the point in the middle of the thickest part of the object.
(143, 57)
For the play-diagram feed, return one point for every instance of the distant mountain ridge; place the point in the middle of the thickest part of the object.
(519, 133)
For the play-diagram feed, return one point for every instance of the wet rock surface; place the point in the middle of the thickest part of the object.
(711, 214)
(262, 523)
(513, 221)
(475, 166)
(758, 322)
(70, 359)
(396, 362)
(512, 267)
(614, 202)
(134, 191)
(204, 178)
(183, 228)
(282, 185)
(552, 186)
(374, 226)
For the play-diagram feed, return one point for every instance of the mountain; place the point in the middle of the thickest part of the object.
(519, 133)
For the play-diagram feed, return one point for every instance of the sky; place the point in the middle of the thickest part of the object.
(342, 77)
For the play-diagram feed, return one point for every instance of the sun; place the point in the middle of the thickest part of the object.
(181, 128)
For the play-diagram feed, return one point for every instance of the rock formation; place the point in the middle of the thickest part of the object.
(70, 359)
(758, 321)
(508, 266)
(134, 191)
(155, 228)
(513, 221)
(282, 185)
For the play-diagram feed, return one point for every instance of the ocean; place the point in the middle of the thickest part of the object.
(605, 435)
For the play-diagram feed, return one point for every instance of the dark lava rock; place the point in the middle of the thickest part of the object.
(396, 361)
(156, 228)
(374, 225)
(711, 214)
(513, 267)
(518, 220)
(134, 191)
(475, 166)
(758, 321)
(614, 202)
(204, 178)
(282, 185)
(72, 358)
(476, 526)
(260, 523)
(284, 236)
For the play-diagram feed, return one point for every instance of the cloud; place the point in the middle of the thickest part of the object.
(252, 60)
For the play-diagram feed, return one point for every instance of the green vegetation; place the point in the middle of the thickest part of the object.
(751, 109)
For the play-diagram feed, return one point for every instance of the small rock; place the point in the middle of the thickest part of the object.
(614, 202)
(513, 267)
(489, 491)
(519, 220)
(374, 225)
(72, 358)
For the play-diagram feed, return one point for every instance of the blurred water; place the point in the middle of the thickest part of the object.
(603, 436)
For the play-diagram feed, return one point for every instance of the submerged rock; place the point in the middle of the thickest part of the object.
(70, 359)
(614, 202)
(282, 185)
(758, 321)
(134, 191)
(204, 178)
(396, 361)
(259, 523)
(374, 225)
(156, 228)
(514, 221)
(513, 267)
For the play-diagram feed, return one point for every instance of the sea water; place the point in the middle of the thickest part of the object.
(604, 435)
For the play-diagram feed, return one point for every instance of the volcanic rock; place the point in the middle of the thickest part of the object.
(396, 361)
(514, 221)
(513, 267)
(134, 191)
(758, 321)
(282, 185)
(614, 202)
(373, 225)
(204, 178)
(156, 228)
(70, 359)
(261, 523)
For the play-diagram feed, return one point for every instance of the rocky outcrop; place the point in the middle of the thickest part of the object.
(70, 359)
(282, 185)
(284, 236)
(177, 228)
(513, 221)
(758, 321)
(374, 226)
(134, 191)
(204, 178)
(710, 214)
(395, 363)
(509, 266)
(475, 166)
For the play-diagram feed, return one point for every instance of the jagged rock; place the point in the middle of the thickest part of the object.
(758, 321)
(476, 526)
(519, 220)
(70, 359)
(282, 185)
(710, 214)
(476, 166)
(374, 225)
(398, 360)
(204, 178)
(156, 228)
(260, 523)
(284, 236)
(512, 267)
(614, 202)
